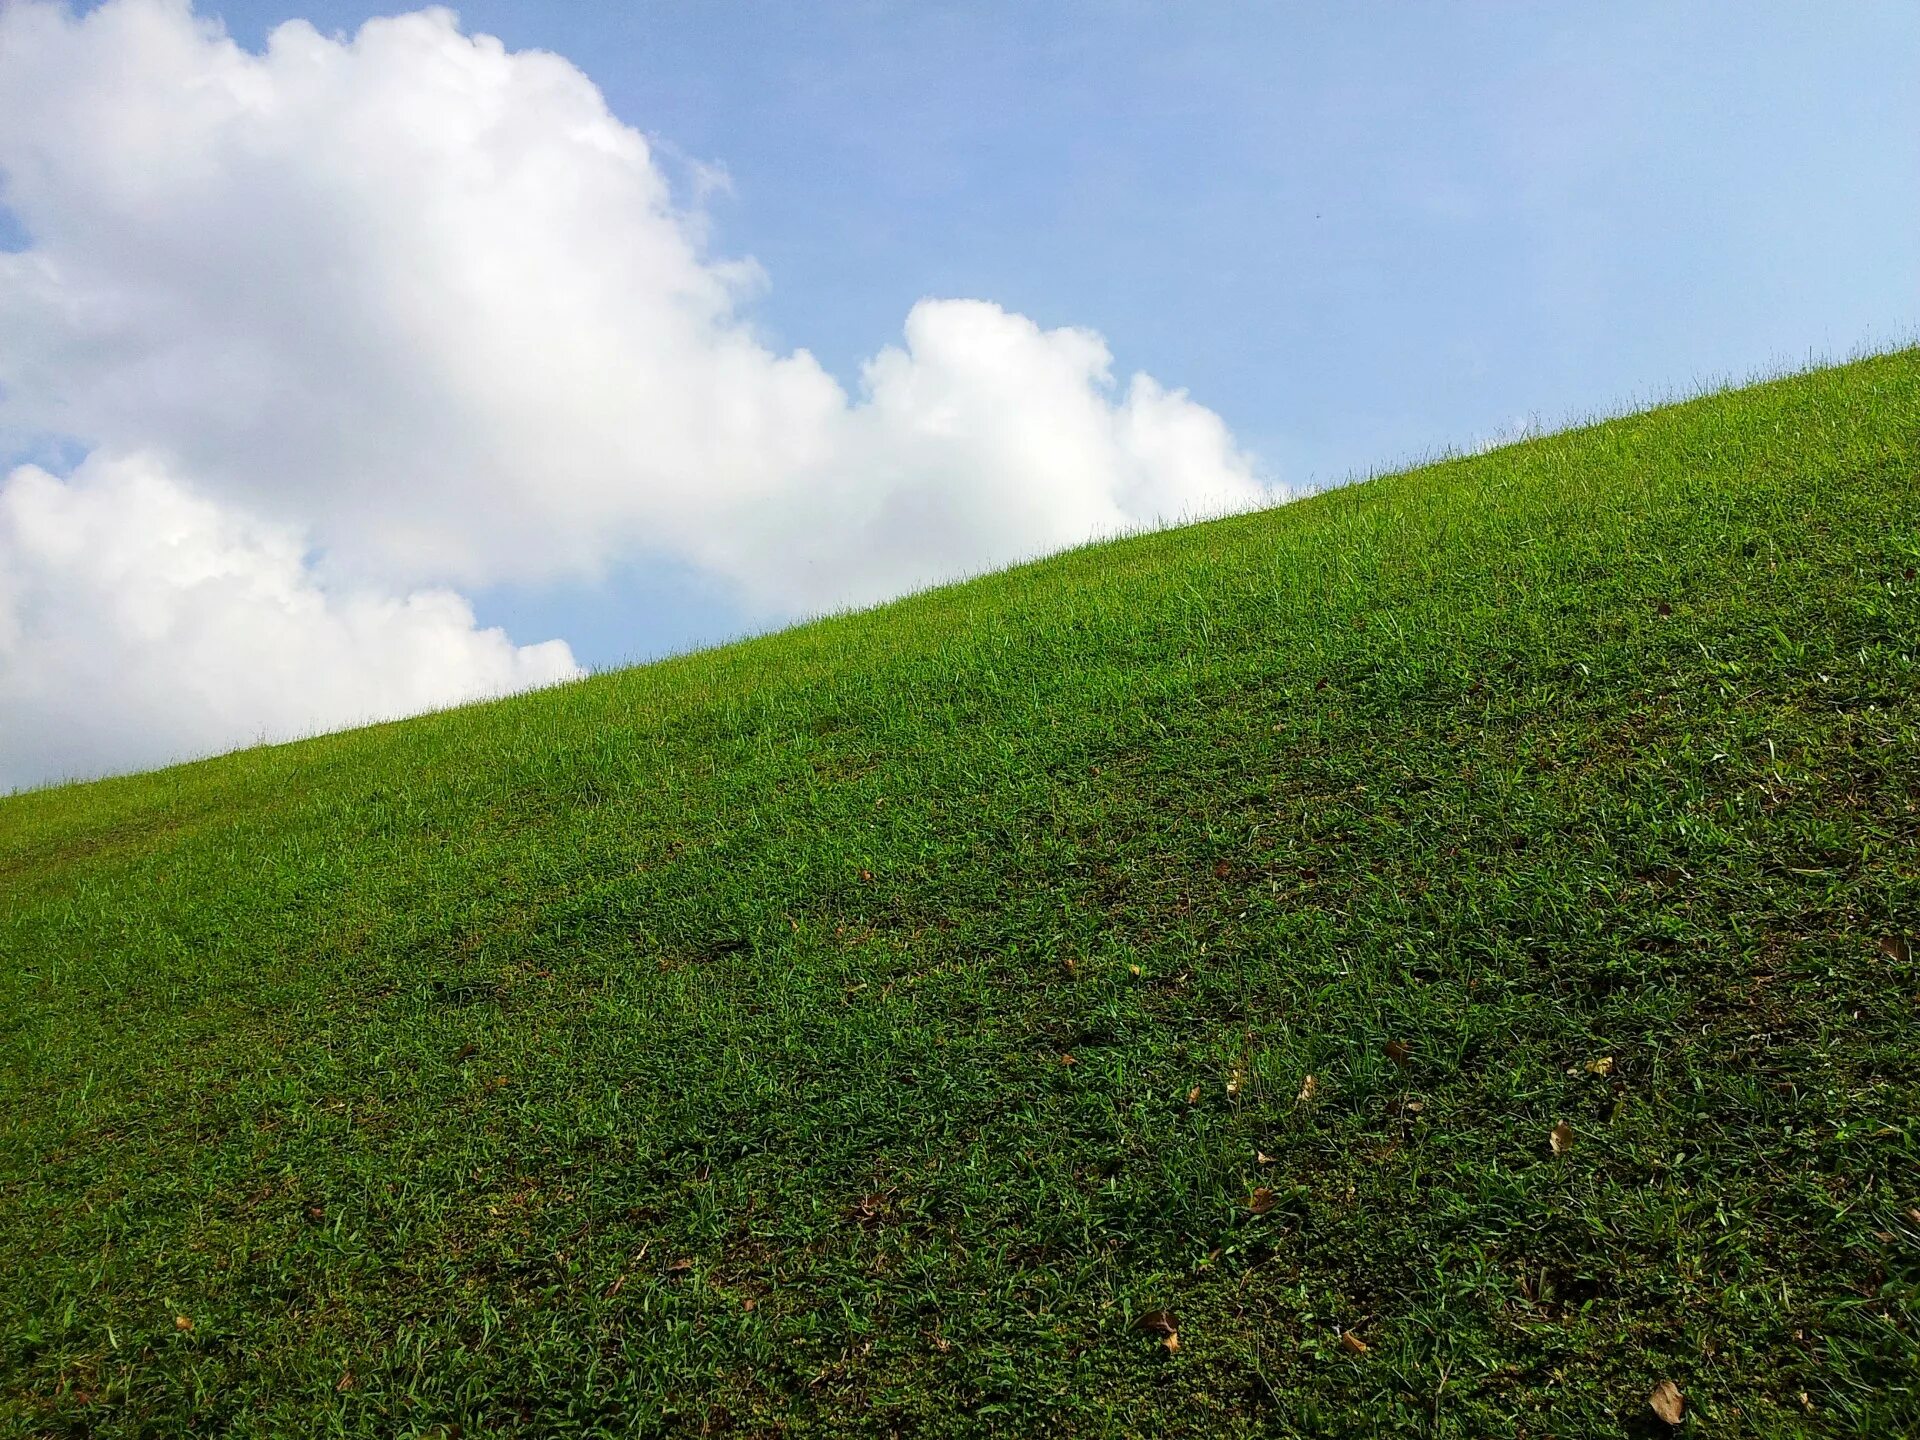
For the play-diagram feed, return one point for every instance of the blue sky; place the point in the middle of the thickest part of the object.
(1358, 235)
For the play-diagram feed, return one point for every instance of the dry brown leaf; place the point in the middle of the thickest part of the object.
(866, 875)
(1353, 1344)
(1068, 1060)
(1562, 1138)
(1667, 1402)
(346, 1382)
(679, 1267)
(1070, 965)
(1193, 1096)
(1157, 1322)
(749, 1303)
(1897, 947)
(183, 1322)
(1398, 1053)
(1261, 1201)
(1307, 1087)
(1235, 1082)
(1262, 1157)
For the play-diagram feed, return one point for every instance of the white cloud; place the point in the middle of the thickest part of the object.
(429, 302)
(140, 624)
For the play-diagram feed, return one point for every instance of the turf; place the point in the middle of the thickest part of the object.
(898, 1024)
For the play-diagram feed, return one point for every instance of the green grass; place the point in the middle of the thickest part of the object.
(686, 1049)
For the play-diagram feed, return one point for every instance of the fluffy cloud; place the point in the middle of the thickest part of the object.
(431, 303)
(139, 624)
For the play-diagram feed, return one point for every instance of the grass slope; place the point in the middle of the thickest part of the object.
(860, 1030)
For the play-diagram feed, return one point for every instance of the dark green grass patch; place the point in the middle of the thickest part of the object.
(900, 1024)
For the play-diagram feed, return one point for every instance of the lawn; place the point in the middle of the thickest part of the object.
(1435, 958)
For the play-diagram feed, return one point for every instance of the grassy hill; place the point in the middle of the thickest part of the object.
(1443, 948)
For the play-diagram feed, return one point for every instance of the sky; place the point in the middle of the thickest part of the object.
(348, 372)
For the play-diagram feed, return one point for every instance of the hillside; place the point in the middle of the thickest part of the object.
(898, 1024)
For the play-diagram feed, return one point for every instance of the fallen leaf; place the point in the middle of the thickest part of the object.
(1193, 1096)
(1307, 1087)
(1398, 1053)
(1897, 947)
(183, 1322)
(346, 1381)
(866, 875)
(679, 1267)
(1667, 1402)
(1562, 1138)
(1222, 869)
(1157, 1322)
(748, 1303)
(316, 1213)
(1234, 1083)
(1261, 1201)
(1353, 1344)
(1261, 1157)
(1068, 1060)
(1070, 965)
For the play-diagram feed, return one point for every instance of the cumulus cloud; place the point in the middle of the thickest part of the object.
(140, 624)
(430, 302)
